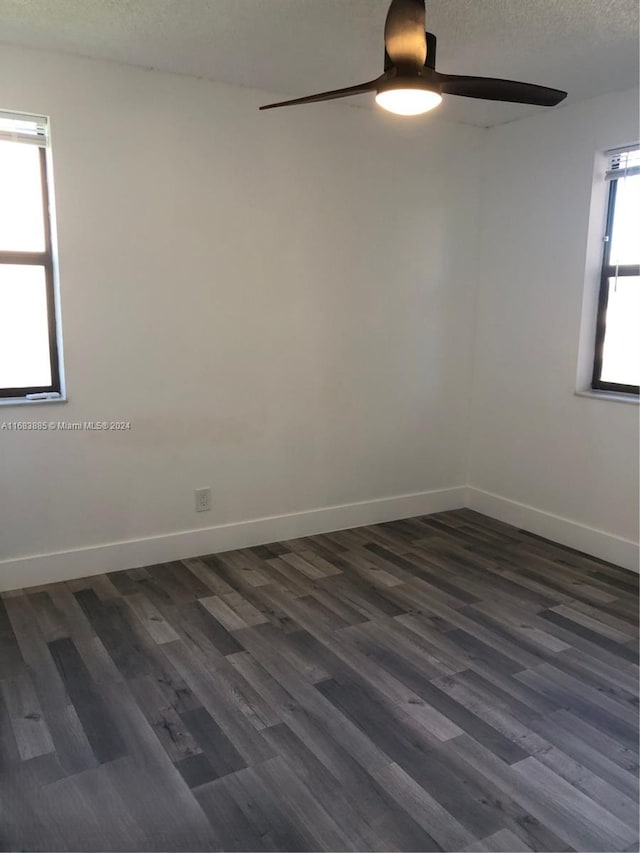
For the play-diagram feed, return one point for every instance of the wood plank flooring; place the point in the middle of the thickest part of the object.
(440, 683)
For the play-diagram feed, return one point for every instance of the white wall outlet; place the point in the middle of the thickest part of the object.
(203, 499)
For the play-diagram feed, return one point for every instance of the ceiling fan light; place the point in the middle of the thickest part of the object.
(408, 102)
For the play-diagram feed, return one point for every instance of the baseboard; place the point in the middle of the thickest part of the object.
(113, 556)
(606, 546)
(22, 572)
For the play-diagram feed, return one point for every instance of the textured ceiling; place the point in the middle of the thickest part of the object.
(297, 47)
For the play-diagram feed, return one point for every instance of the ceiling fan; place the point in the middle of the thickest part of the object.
(410, 84)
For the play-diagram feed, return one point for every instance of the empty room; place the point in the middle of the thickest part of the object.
(319, 425)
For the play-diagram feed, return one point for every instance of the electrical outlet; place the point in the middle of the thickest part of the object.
(203, 499)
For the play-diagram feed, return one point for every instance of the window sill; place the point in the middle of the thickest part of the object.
(20, 401)
(613, 396)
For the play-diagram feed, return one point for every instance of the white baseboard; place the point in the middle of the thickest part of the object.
(606, 546)
(113, 556)
(22, 572)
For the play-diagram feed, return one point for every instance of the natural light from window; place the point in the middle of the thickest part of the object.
(621, 355)
(21, 219)
(621, 349)
(625, 239)
(24, 328)
(24, 331)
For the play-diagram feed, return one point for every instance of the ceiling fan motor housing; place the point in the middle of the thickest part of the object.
(423, 82)
(431, 54)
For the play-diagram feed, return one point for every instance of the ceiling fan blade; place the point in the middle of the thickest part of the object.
(492, 89)
(404, 34)
(328, 96)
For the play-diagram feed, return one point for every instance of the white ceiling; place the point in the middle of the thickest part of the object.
(298, 47)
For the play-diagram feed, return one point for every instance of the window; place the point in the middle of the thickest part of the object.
(29, 364)
(617, 351)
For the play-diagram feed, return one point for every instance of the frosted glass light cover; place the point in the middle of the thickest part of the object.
(408, 102)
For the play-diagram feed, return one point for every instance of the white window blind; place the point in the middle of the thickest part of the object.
(15, 127)
(623, 162)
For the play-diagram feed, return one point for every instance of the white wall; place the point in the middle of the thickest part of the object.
(282, 305)
(533, 441)
(278, 302)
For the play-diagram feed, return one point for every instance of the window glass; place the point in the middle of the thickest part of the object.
(616, 363)
(621, 352)
(625, 237)
(24, 328)
(22, 222)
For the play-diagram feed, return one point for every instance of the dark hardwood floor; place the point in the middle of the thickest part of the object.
(440, 683)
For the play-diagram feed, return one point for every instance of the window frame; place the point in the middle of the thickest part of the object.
(43, 259)
(608, 272)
